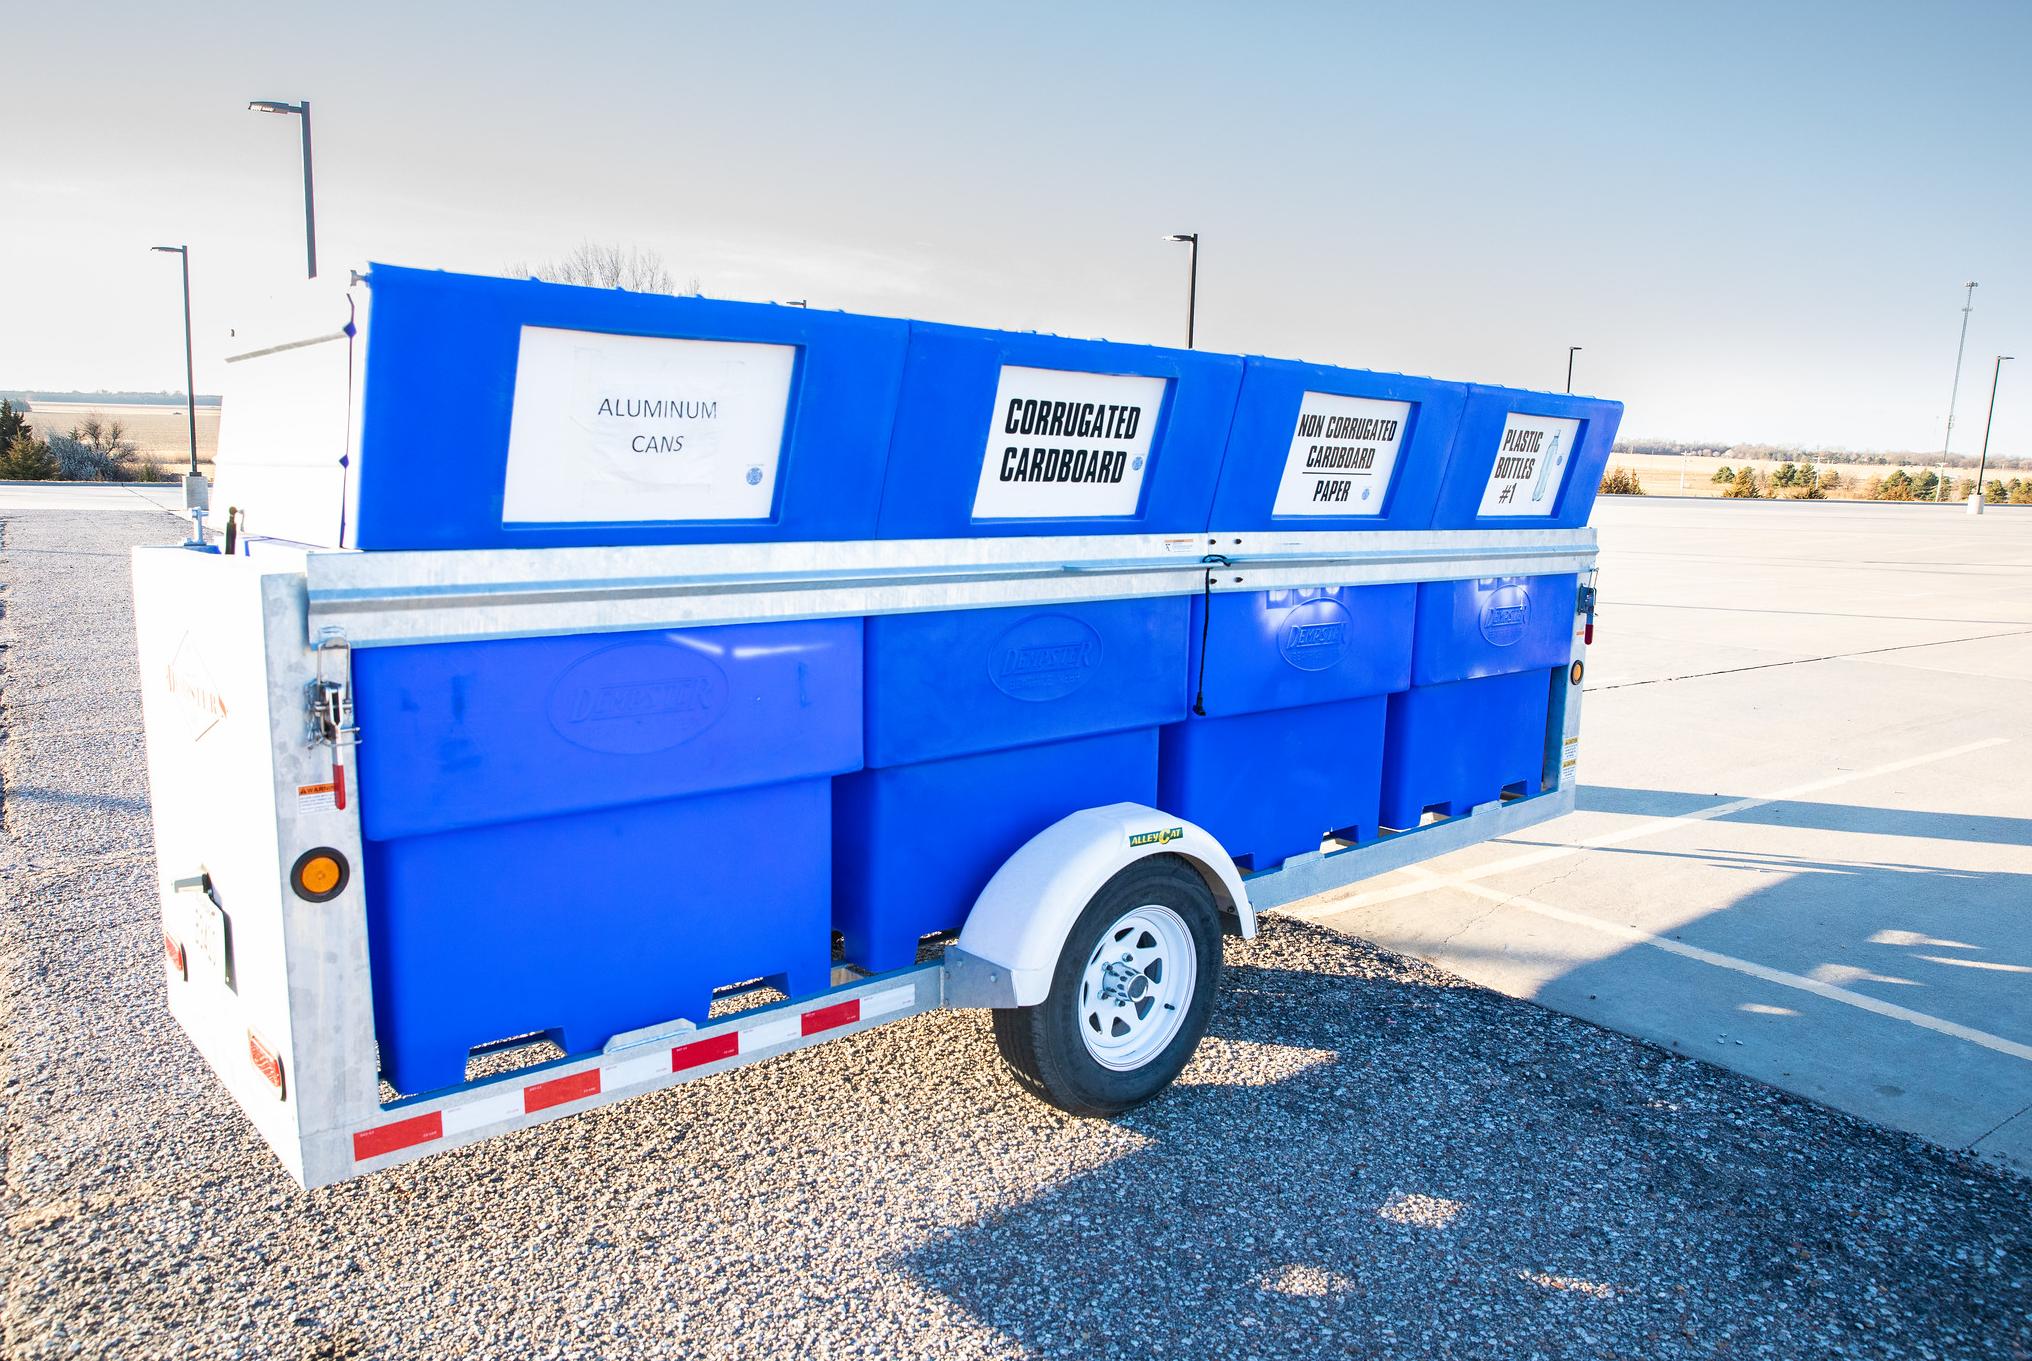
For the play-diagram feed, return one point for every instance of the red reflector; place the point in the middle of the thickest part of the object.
(1587, 635)
(266, 1060)
(543, 1095)
(175, 953)
(418, 1129)
(826, 1018)
(705, 1051)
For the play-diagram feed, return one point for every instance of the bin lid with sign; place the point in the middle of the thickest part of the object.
(1524, 460)
(1004, 433)
(1316, 447)
(515, 414)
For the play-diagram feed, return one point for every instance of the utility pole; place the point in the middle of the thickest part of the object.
(1947, 443)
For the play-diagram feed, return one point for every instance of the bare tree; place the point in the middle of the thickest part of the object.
(592, 265)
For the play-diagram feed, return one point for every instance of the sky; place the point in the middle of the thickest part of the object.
(1755, 219)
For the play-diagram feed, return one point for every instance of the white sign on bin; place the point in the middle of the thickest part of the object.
(610, 428)
(1343, 451)
(1530, 465)
(1065, 445)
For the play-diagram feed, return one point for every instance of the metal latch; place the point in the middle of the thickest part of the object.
(1584, 604)
(331, 706)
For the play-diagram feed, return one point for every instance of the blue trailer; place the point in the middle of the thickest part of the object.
(643, 686)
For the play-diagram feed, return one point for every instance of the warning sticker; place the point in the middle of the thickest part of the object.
(1343, 450)
(317, 798)
(1570, 754)
(1530, 465)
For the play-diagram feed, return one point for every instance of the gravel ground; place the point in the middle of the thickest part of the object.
(1369, 1158)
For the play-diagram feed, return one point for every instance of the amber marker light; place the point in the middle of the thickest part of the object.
(319, 875)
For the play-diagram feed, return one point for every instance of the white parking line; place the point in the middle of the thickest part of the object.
(1862, 1001)
(1348, 899)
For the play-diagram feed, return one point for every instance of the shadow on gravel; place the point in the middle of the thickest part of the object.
(87, 799)
(1362, 1183)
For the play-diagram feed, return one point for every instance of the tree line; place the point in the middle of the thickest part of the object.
(1810, 482)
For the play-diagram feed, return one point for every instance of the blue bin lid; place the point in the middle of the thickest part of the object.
(1526, 459)
(503, 413)
(1001, 433)
(1317, 447)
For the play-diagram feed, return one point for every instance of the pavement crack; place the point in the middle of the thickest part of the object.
(1808, 661)
(1972, 1144)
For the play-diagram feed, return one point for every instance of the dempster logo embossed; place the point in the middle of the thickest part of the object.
(1316, 635)
(190, 682)
(1505, 615)
(639, 697)
(1045, 657)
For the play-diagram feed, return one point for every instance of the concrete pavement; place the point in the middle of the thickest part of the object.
(90, 495)
(1804, 849)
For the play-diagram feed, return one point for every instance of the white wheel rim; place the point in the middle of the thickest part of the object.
(1137, 987)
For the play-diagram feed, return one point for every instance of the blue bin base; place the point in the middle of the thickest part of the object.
(1269, 786)
(587, 925)
(1451, 747)
(917, 843)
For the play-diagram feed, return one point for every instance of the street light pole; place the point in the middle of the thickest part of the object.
(1954, 392)
(309, 204)
(190, 391)
(1571, 351)
(1983, 463)
(196, 499)
(1192, 281)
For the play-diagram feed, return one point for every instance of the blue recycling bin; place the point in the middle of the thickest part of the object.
(587, 835)
(1472, 727)
(986, 726)
(503, 413)
(584, 835)
(1284, 743)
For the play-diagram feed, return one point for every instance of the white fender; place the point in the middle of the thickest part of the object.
(1010, 943)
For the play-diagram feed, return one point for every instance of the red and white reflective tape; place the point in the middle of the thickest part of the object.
(771, 1030)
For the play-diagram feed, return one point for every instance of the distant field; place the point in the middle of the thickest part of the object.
(1664, 474)
(161, 433)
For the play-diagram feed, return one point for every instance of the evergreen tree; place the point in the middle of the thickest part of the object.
(27, 459)
(13, 424)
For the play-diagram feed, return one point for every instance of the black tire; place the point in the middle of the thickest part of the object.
(1043, 1044)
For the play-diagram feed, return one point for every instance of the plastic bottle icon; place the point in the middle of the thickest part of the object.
(1555, 459)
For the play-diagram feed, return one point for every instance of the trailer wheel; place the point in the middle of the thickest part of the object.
(1130, 997)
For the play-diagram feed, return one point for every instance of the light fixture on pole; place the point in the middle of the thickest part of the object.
(1571, 351)
(196, 497)
(302, 110)
(1947, 441)
(1192, 281)
(1983, 463)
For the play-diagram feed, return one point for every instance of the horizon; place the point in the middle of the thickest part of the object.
(1745, 251)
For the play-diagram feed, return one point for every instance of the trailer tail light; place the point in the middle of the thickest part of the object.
(174, 952)
(267, 1062)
